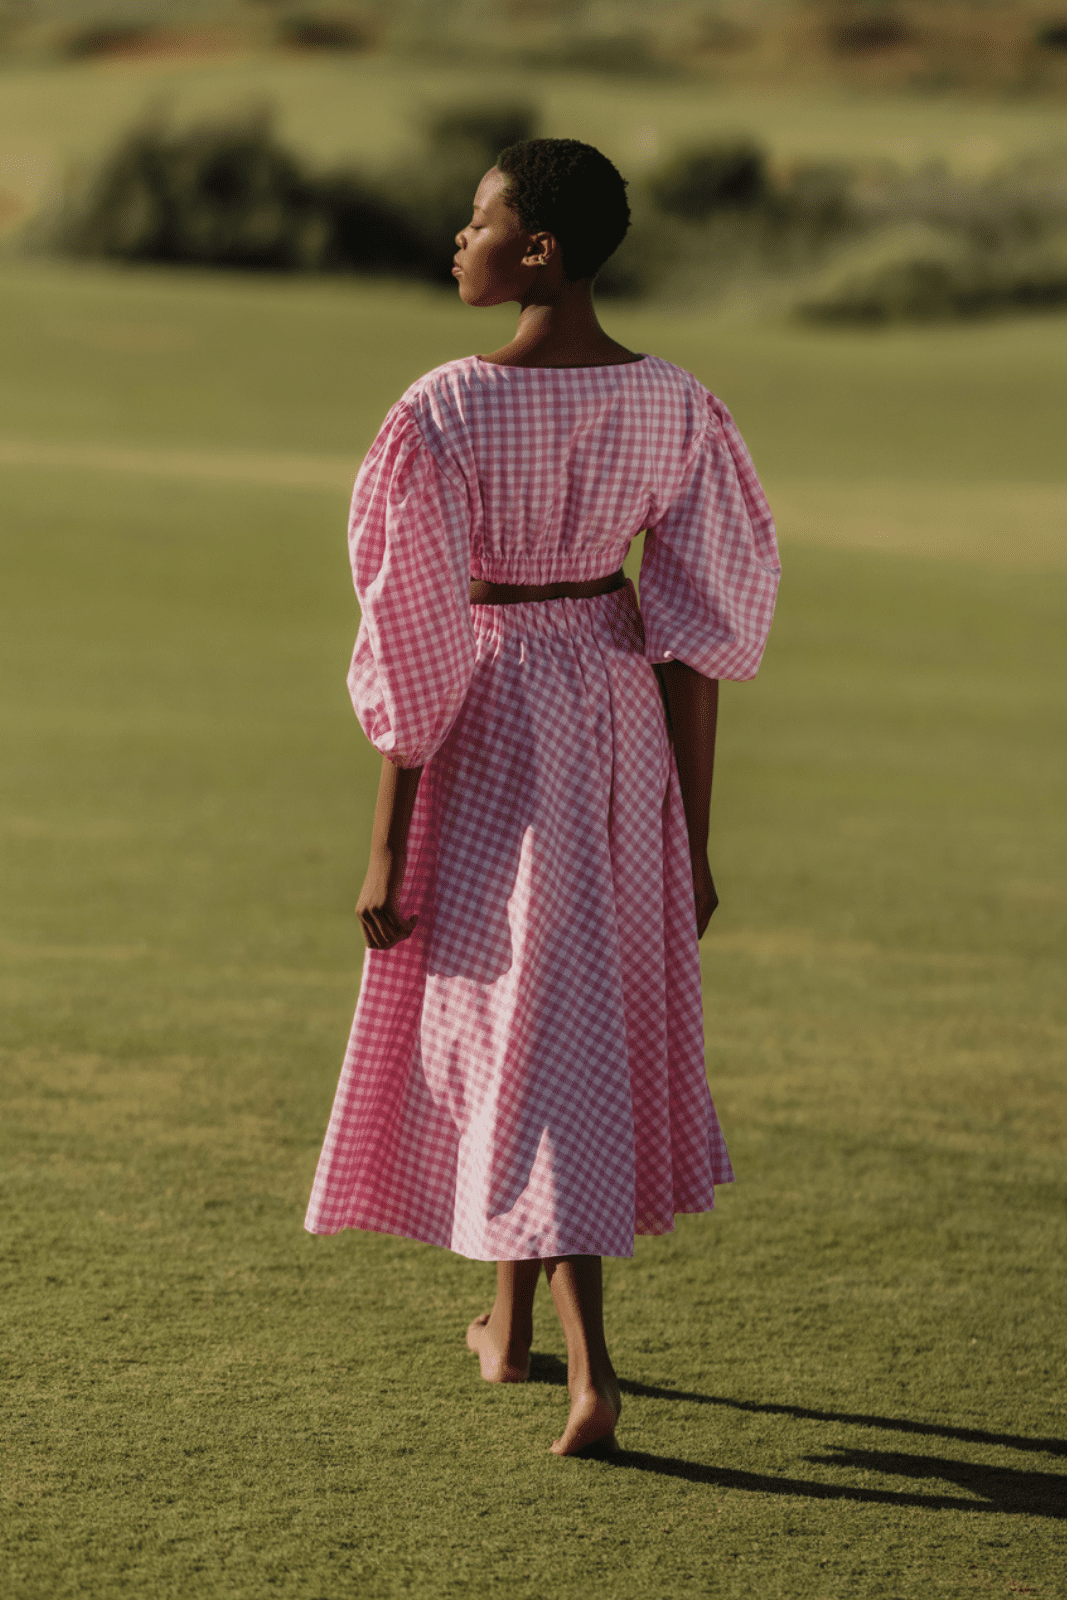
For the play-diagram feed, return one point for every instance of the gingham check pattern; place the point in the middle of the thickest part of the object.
(525, 1075)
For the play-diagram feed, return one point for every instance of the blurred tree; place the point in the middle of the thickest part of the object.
(229, 194)
(1053, 36)
(486, 130)
(716, 177)
(221, 194)
(327, 32)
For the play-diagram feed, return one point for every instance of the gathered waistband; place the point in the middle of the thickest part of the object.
(613, 616)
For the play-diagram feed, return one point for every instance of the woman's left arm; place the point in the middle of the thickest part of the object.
(376, 908)
(692, 704)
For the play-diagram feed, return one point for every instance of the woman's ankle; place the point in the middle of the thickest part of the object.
(511, 1328)
(584, 1375)
(511, 1318)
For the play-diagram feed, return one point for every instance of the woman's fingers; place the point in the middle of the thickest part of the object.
(371, 931)
(382, 924)
(383, 927)
(704, 895)
(706, 911)
(398, 928)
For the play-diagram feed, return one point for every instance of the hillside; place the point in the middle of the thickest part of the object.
(935, 45)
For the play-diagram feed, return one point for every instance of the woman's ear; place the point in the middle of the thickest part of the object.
(542, 251)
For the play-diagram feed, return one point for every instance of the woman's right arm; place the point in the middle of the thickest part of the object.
(692, 705)
(376, 908)
(409, 541)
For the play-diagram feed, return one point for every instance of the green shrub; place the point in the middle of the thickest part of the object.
(363, 231)
(716, 214)
(483, 132)
(220, 194)
(939, 245)
(1002, 210)
(229, 194)
(326, 33)
(621, 55)
(107, 38)
(816, 199)
(715, 177)
(912, 277)
(1053, 36)
(871, 33)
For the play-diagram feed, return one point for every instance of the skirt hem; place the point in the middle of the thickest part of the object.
(586, 1248)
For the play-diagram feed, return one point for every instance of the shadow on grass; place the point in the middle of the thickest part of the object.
(999, 1489)
(550, 1369)
(1003, 1489)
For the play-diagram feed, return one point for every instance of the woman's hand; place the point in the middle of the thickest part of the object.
(382, 924)
(704, 893)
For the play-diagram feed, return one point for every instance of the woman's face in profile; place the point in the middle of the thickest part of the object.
(492, 248)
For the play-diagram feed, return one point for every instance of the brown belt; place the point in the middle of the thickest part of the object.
(517, 594)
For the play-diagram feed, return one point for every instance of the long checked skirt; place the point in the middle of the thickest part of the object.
(525, 1074)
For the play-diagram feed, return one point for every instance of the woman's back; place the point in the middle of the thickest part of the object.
(564, 465)
(541, 475)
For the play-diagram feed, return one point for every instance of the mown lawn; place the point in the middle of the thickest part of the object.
(850, 1380)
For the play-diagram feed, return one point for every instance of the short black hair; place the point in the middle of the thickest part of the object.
(568, 189)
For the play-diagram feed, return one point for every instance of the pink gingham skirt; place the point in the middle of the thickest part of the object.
(525, 1075)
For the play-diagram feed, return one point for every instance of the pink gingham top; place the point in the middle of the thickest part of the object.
(543, 475)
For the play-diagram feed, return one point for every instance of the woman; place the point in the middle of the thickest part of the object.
(525, 1078)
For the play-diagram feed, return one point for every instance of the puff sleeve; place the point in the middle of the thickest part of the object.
(409, 545)
(710, 568)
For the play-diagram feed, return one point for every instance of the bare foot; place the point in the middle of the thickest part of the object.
(594, 1413)
(500, 1362)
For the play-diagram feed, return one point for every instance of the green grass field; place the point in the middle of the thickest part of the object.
(849, 1382)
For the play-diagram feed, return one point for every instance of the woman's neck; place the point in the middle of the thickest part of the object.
(561, 331)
